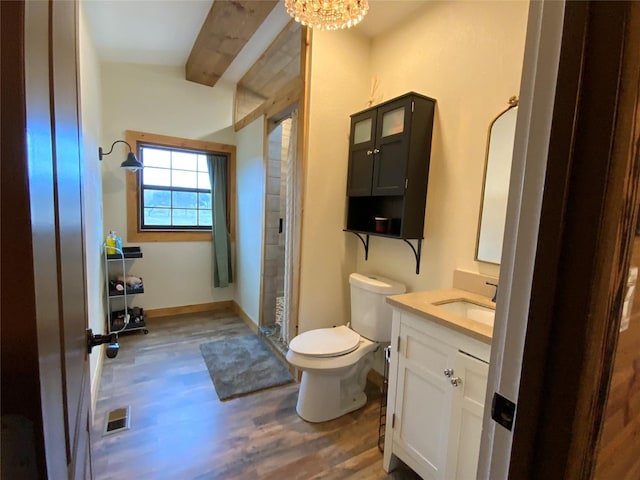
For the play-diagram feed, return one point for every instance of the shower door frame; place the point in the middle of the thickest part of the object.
(291, 244)
(297, 99)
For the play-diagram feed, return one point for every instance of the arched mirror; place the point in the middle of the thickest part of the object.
(497, 170)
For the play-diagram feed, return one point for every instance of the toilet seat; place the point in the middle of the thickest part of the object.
(326, 342)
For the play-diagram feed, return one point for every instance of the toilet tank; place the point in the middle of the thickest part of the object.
(370, 313)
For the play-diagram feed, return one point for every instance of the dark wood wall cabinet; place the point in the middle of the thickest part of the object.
(389, 154)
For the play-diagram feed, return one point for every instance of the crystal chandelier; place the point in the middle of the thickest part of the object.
(327, 14)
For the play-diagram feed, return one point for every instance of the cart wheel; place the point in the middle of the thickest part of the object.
(145, 331)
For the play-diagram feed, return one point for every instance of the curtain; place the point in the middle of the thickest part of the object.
(293, 215)
(220, 230)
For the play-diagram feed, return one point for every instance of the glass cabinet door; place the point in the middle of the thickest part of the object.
(361, 156)
(393, 122)
(392, 148)
(363, 131)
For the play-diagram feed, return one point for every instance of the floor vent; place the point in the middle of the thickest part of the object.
(117, 420)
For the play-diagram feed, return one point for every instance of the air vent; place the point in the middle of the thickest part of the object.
(118, 420)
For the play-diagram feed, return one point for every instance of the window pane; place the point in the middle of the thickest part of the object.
(156, 176)
(155, 157)
(184, 160)
(204, 200)
(185, 200)
(176, 189)
(204, 183)
(205, 218)
(157, 216)
(157, 198)
(203, 166)
(184, 179)
(184, 217)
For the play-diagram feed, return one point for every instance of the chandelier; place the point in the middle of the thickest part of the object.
(327, 14)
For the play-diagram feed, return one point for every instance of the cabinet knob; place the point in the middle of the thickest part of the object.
(376, 150)
(456, 381)
(448, 372)
(369, 152)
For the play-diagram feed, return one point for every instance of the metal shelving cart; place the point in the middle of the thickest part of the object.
(121, 316)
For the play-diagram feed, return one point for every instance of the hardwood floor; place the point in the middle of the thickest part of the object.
(180, 430)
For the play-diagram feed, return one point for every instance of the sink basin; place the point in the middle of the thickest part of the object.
(469, 310)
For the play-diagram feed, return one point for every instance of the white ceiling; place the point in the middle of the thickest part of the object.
(162, 32)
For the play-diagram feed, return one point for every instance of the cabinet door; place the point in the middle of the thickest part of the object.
(361, 147)
(393, 127)
(466, 416)
(423, 400)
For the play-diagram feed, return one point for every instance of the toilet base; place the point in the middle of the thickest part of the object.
(313, 414)
(323, 397)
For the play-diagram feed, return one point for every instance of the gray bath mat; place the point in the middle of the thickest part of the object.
(241, 365)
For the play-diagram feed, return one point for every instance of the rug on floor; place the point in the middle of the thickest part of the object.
(243, 364)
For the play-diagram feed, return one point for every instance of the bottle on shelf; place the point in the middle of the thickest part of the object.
(111, 243)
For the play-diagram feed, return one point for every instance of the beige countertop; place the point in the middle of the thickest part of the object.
(424, 304)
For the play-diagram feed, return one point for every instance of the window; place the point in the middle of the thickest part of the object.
(169, 200)
(175, 189)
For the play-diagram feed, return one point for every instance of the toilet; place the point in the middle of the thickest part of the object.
(335, 361)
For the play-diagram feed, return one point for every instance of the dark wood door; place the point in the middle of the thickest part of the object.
(70, 231)
(361, 153)
(392, 147)
(583, 251)
(44, 317)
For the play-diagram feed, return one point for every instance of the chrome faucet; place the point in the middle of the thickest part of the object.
(495, 295)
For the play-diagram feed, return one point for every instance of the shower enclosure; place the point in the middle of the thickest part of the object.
(275, 242)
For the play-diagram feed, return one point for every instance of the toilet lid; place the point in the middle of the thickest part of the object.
(326, 342)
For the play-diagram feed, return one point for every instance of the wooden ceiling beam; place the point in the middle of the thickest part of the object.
(271, 75)
(277, 65)
(226, 30)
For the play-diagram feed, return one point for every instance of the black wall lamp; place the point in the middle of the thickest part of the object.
(131, 163)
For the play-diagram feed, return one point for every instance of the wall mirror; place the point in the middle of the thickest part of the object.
(497, 170)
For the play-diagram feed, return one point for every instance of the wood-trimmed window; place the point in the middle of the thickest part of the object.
(139, 230)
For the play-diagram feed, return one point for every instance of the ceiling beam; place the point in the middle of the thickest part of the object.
(226, 30)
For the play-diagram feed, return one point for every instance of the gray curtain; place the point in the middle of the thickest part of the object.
(220, 230)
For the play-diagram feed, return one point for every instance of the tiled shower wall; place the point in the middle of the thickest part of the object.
(273, 285)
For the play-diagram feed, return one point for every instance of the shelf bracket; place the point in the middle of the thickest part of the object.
(365, 244)
(417, 253)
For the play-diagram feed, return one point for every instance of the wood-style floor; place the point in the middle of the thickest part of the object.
(180, 430)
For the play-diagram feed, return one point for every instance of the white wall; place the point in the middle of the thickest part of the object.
(468, 56)
(92, 178)
(159, 100)
(250, 175)
(339, 86)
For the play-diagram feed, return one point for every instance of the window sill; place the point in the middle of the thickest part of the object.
(168, 236)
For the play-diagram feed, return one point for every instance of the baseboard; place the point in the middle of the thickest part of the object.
(198, 308)
(210, 307)
(254, 328)
(245, 318)
(95, 381)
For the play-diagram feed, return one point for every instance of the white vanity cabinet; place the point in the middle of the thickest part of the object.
(467, 410)
(437, 385)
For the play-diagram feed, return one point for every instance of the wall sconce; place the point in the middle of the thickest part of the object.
(131, 163)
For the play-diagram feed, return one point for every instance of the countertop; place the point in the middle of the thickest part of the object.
(422, 304)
